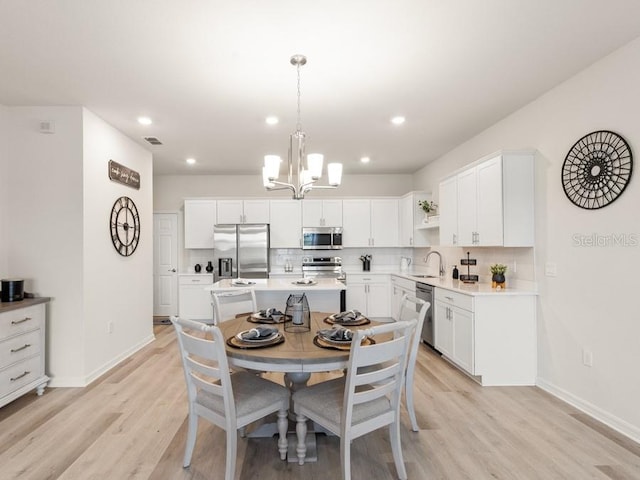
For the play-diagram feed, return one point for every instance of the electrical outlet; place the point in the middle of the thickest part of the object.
(110, 327)
(515, 266)
(587, 358)
(550, 269)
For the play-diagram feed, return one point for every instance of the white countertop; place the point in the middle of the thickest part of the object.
(275, 284)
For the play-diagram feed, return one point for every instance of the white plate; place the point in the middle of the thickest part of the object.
(257, 340)
(244, 283)
(300, 282)
(340, 321)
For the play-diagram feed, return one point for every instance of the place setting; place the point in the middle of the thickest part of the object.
(242, 282)
(349, 318)
(337, 338)
(258, 337)
(305, 281)
(269, 316)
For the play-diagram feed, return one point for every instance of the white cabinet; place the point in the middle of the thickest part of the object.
(322, 213)
(199, 219)
(286, 223)
(410, 217)
(490, 204)
(243, 211)
(370, 223)
(369, 294)
(491, 337)
(22, 350)
(399, 287)
(194, 302)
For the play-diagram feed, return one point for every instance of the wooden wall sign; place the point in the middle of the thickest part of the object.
(126, 176)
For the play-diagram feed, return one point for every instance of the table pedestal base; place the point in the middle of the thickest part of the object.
(269, 430)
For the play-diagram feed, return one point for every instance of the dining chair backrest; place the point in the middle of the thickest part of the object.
(412, 307)
(204, 359)
(379, 366)
(229, 304)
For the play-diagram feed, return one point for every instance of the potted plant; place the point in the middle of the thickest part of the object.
(429, 208)
(497, 275)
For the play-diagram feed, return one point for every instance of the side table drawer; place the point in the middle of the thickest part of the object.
(20, 347)
(21, 320)
(20, 374)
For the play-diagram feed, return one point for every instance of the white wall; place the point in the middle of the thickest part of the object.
(3, 191)
(171, 190)
(59, 238)
(44, 182)
(591, 303)
(116, 289)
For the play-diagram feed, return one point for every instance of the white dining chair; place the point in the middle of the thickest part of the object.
(230, 401)
(362, 401)
(228, 304)
(412, 308)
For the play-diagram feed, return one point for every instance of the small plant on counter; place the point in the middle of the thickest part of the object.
(427, 206)
(497, 278)
(498, 269)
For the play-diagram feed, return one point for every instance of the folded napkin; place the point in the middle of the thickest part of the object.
(305, 281)
(348, 316)
(336, 333)
(270, 312)
(242, 281)
(258, 333)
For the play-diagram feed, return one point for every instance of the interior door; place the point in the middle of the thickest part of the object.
(165, 264)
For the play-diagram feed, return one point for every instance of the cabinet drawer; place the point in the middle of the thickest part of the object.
(454, 298)
(20, 374)
(20, 347)
(195, 279)
(21, 320)
(367, 278)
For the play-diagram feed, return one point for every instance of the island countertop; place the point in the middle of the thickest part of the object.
(280, 284)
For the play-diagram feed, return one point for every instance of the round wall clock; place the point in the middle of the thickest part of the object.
(125, 226)
(597, 169)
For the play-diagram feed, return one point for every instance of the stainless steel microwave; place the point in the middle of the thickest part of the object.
(322, 238)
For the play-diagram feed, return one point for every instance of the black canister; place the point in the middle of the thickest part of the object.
(12, 290)
(197, 268)
(455, 272)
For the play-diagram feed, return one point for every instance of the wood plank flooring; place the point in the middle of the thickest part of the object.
(131, 424)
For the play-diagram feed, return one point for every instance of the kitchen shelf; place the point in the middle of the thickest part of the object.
(427, 226)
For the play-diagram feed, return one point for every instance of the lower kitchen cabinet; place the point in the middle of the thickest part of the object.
(22, 349)
(194, 302)
(369, 294)
(492, 337)
(400, 286)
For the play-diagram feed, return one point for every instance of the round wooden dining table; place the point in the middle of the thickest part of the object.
(298, 357)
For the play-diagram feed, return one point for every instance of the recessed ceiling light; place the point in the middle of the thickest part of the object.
(144, 121)
(191, 161)
(398, 120)
(365, 159)
(271, 120)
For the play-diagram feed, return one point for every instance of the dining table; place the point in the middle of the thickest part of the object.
(298, 356)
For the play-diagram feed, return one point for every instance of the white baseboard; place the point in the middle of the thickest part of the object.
(625, 428)
(86, 380)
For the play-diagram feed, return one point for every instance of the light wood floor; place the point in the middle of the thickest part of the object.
(131, 424)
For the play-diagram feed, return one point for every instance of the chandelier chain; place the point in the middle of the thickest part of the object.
(299, 124)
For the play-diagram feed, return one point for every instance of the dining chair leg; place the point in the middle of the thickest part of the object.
(191, 439)
(345, 457)
(301, 432)
(408, 395)
(283, 425)
(396, 448)
(232, 452)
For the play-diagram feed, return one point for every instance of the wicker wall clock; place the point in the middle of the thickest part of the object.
(125, 226)
(597, 169)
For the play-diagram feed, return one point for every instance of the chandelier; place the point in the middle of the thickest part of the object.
(306, 175)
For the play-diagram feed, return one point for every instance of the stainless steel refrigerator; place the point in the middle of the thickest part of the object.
(241, 251)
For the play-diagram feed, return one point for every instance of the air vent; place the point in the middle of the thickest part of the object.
(153, 140)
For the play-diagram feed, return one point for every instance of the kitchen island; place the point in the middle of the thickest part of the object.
(324, 295)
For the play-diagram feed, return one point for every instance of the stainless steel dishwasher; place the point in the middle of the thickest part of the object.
(425, 292)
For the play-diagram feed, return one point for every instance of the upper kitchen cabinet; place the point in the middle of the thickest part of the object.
(490, 204)
(286, 223)
(243, 211)
(370, 223)
(411, 216)
(199, 219)
(322, 213)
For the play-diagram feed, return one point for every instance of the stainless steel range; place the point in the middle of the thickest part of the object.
(326, 267)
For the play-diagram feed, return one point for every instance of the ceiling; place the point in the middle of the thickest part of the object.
(208, 72)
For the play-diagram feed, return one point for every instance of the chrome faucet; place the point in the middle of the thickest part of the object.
(440, 264)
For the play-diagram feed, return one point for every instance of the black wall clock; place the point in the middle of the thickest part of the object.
(125, 226)
(597, 169)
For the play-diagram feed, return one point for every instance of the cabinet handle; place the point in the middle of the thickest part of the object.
(172, 270)
(17, 322)
(26, 345)
(455, 239)
(26, 372)
(449, 298)
(410, 240)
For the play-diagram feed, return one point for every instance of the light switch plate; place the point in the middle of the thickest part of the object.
(550, 269)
